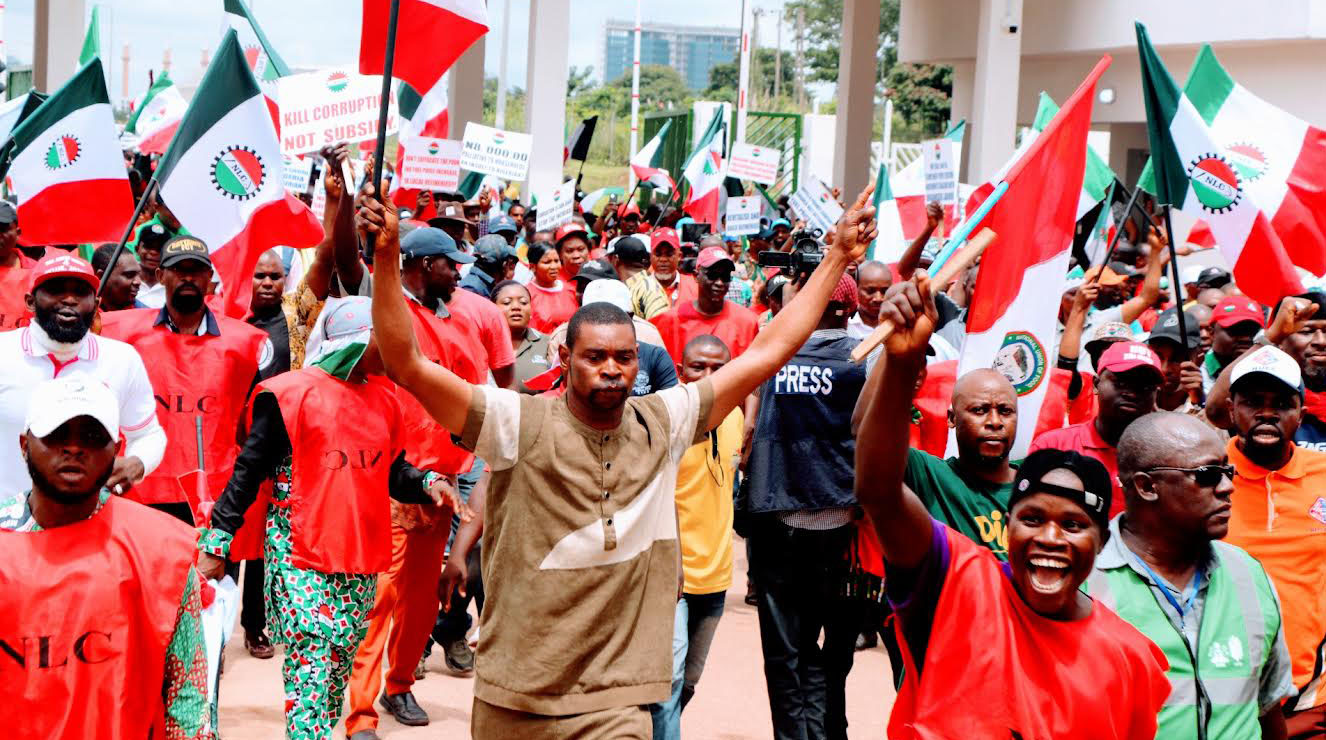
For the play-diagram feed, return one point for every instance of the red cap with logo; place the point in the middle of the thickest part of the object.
(664, 235)
(1236, 309)
(63, 264)
(710, 256)
(1121, 357)
(568, 229)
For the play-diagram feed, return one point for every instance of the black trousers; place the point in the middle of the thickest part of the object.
(798, 577)
(454, 623)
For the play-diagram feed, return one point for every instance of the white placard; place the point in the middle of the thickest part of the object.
(297, 171)
(555, 208)
(755, 163)
(743, 216)
(495, 152)
(941, 172)
(816, 205)
(324, 108)
(431, 164)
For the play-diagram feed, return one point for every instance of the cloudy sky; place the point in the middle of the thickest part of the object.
(316, 33)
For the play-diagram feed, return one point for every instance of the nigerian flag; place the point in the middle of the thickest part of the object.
(157, 116)
(647, 164)
(704, 172)
(1194, 173)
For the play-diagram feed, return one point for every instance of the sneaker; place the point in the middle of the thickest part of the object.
(459, 656)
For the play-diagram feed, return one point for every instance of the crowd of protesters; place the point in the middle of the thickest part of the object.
(567, 427)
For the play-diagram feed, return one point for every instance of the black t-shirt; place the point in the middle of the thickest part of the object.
(1311, 433)
(275, 356)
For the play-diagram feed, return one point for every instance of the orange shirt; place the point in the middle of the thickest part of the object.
(1279, 517)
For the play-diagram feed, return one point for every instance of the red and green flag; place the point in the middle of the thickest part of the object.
(222, 176)
(704, 172)
(1195, 173)
(422, 117)
(647, 164)
(432, 34)
(267, 65)
(157, 116)
(68, 170)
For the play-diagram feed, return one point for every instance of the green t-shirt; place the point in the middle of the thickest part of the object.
(974, 507)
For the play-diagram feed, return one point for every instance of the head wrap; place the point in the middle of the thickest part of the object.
(845, 293)
(341, 334)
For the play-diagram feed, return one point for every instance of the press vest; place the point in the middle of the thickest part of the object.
(1215, 691)
(87, 614)
(804, 454)
(344, 438)
(193, 377)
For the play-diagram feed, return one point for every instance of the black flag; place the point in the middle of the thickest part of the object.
(577, 147)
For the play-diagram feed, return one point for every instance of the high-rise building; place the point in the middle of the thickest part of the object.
(691, 50)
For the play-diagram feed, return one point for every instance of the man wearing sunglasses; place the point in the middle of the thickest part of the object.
(1279, 516)
(710, 312)
(1207, 604)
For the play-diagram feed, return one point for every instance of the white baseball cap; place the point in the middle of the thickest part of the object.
(55, 402)
(614, 292)
(1272, 362)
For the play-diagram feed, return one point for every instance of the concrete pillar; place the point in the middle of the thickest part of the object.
(964, 76)
(545, 102)
(465, 90)
(995, 88)
(856, 96)
(57, 40)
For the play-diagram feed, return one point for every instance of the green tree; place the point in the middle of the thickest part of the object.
(661, 87)
(577, 80)
(723, 77)
(921, 96)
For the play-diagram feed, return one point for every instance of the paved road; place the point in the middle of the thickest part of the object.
(731, 702)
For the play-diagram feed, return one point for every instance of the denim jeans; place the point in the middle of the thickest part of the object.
(692, 634)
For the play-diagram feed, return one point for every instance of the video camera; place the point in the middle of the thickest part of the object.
(806, 255)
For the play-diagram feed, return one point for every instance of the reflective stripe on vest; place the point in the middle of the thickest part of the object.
(1232, 644)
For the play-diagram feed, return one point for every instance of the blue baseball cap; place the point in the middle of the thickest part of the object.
(493, 248)
(780, 222)
(502, 223)
(430, 241)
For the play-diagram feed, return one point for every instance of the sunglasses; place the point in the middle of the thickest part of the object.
(1206, 476)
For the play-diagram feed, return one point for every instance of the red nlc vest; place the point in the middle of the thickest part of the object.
(13, 298)
(448, 343)
(192, 376)
(86, 616)
(996, 669)
(344, 438)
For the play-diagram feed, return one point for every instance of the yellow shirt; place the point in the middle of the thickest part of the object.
(704, 507)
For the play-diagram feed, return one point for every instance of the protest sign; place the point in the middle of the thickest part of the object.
(495, 152)
(431, 164)
(555, 207)
(297, 171)
(754, 163)
(323, 108)
(743, 216)
(816, 205)
(941, 172)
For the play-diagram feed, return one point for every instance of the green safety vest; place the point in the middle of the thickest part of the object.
(1240, 621)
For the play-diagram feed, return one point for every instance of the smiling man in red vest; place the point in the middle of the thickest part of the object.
(202, 366)
(100, 633)
(331, 437)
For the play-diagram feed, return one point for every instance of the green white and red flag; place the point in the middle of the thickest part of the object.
(267, 65)
(431, 36)
(157, 116)
(1279, 160)
(704, 173)
(222, 176)
(647, 164)
(67, 160)
(908, 187)
(1011, 319)
(1193, 172)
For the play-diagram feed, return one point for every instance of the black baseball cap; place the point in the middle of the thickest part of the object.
(1124, 269)
(183, 248)
(631, 251)
(430, 241)
(1095, 496)
(1214, 277)
(596, 270)
(8, 213)
(1167, 327)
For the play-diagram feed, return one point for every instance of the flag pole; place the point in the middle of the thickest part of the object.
(1174, 265)
(663, 211)
(381, 147)
(635, 94)
(148, 192)
(1118, 229)
(961, 233)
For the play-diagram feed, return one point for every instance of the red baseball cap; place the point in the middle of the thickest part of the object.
(1121, 357)
(710, 256)
(62, 264)
(664, 235)
(570, 228)
(628, 208)
(1235, 309)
